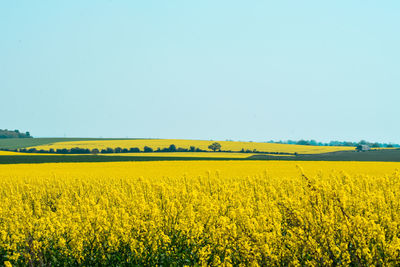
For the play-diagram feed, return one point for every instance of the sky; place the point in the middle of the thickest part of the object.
(211, 70)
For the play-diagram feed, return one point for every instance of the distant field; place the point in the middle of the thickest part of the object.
(382, 155)
(155, 154)
(202, 144)
(14, 143)
(386, 155)
(58, 158)
(11, 153)
(194, 154)
(184, 154)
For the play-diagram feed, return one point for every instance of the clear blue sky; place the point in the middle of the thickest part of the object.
(241, 70)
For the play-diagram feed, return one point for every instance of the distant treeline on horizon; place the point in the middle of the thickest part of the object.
(17, 134)
(334, 143)
(14, 134)
(146, 149)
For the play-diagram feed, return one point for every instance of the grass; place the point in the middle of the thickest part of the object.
(392, 155)
(383, 155)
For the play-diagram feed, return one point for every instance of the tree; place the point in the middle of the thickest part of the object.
(147, 149)
(376, 145)
(363, 142)
(13, 134)
(359, 148)
(109, 150)
(313, 143)
(95, 151)
(172, 148)
(303, 142)
(215, 146)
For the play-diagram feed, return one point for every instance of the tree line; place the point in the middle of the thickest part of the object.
(335, 143)
(215, 147)
(14, 134)
(109, 150)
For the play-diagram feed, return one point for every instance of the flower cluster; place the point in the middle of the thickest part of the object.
(236, 214)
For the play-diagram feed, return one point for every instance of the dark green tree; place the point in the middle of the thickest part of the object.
(147, 149)
(376, 145)
(215, 146)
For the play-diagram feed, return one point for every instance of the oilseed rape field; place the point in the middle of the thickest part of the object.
(202, 144)
(150, 154)
(187, 154)
(209, 213)
(12, 153)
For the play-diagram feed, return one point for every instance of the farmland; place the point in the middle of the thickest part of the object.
(315, 207)
(14, 143)
(378, 155)
(164, 154)
(186, 154)
(199, 133)
(200, 212)
(202, 144)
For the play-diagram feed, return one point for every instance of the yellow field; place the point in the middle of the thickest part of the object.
(185, 154)
(193, 154)
(8, 153)
(207, 213)
(11, 153)
(154, 154)
(226, 145)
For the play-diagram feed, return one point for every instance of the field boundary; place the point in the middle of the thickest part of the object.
(21, 159)
(392, 155)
